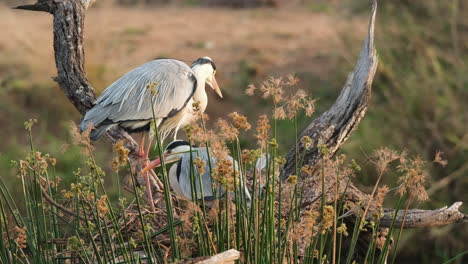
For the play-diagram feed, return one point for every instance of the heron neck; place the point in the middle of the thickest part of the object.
(200, 93)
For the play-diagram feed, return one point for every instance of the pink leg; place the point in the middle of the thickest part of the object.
(148, 149)
(141, 148)
(148, 183)
(151, 165)
(149, 191)
(156, 179)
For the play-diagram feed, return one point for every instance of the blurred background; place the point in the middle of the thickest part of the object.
(420, 93)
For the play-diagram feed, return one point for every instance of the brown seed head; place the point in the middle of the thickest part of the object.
(263, 128)
(239, 121)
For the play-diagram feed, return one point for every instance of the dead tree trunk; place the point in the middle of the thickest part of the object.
(68, 23)
(331, 129)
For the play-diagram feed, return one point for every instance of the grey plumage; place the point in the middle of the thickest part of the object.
(127, 101)
(179, 177)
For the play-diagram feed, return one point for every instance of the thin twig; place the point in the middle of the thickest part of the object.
(59, 206)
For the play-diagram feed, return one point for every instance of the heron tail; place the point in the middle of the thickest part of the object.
(96, 132)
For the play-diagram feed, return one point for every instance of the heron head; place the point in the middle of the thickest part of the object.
(173, 152)
(206, 69)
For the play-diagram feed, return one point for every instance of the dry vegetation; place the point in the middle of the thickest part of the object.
(249, 45)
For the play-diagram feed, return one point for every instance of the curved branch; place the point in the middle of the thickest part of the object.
(425, 218)
(68, 23)
(226, 257)
(334, 126)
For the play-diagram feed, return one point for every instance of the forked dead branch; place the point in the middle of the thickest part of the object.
(330, 130)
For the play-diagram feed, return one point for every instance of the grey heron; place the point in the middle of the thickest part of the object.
(166, 86)
(180, 174)
(163, 90)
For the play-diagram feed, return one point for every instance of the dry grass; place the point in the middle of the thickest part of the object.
(118, 40)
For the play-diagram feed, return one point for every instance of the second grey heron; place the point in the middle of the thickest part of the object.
(180, 173)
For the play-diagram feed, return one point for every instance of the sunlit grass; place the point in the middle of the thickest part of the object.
(78, 221)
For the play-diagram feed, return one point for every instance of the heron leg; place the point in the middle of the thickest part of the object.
(141, 148)
(148, 148)
(150, 166)
(158, 182)
(149, 192)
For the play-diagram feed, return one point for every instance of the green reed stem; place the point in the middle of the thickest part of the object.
(167, 194)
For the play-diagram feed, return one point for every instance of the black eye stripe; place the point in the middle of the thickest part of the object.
(202, 61)
(176, 144)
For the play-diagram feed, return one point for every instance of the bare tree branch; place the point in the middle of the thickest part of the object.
(425, 218)
(226, 257)
(59, 206)
(68, 23)
(334, 126)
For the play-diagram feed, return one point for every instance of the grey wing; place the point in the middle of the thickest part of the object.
(168, 83)
(185, 180)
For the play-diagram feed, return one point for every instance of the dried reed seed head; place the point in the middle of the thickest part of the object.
(383, 157)
(309, 108)
(227, 131)
(301, 94)
(102, 207)
(279, 113)
(403, 157)
(188, 130)
(306, 141)
(414, 179)
(224, 173)
(304, 230)
(250, 91)
(21, 237)
(196, 106)
(327, 218)
(272, 87)
(239, 121)
(381, 193)
(292, 179)
(273, 143)
(342, 229)
(307, 170)
(323, 149)
(40, 162)
(292, 80)
(83, 138)
(30, 123)
(200, 164)
(354, 166)
(24, 167)
(438, 159)
(198, 135)
(250, 156)
(121, 155)
(152, 88)
(382, 237)
(280, 161)
(219, 149)
(68, 194)
(263, 128)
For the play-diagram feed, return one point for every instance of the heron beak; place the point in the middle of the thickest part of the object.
(214, 84)
(168, 158)
(154, 164)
